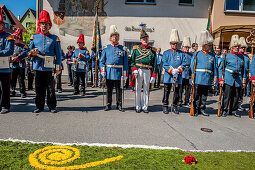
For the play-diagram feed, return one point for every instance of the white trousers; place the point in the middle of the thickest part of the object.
(142, 80)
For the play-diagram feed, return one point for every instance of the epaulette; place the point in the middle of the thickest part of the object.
(58, 40)
(154, 49)
(10, 37)
(135, 47)
(32, 37)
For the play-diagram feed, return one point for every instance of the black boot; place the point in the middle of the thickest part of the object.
(165, 110)
(204, 113)
(175, 110)
(224, 114)
(119, 107)
(4, 110)
(138, 110)
(107, 108)
(236, 115)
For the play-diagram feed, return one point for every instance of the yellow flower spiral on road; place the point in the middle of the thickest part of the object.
(52, 157)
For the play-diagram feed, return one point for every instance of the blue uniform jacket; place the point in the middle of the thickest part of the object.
(6, 47)
(21, 57)
(173, 60)
(111, 58)
(252, 71)
(76, 56)
(246, 64)
(48, 45)
(233, 63)
(206, 68)
(186, 74)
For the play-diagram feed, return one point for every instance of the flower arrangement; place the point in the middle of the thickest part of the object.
(49, 156)
(190, 160)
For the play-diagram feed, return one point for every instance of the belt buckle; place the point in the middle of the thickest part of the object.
(206, 71)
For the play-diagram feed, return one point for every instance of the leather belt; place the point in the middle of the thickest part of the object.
(142, 65)
(204, 70)
(114, 66)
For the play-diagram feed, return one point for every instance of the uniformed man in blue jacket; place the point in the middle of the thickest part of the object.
(206, 71)
(234, 78)
(80, 58)
(45, 53)
(174, 63)
(242, 51)
(113, 65)
(6, 50)
(186, 74)
(18, 64)
(252, 74)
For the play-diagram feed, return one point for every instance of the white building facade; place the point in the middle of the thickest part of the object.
(190, 17)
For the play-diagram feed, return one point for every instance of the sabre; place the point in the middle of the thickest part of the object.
(174, 86)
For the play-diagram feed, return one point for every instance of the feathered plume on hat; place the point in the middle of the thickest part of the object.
(113, 30)
(186, 42)
(242, 42)
(205, 38)
(234, 41)
(174, 36)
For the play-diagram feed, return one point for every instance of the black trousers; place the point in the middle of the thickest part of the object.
(79, 79)
(167, 89)
(185, 85)
(59, 83)
(230, 98)
(30, 78)
(18, 74)
(44, 82)
(110, 84)
(157, 83)
(201, 93)
(5, 90)
(70, 73)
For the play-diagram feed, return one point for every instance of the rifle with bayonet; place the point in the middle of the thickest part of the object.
(221, 88)
(192, 109)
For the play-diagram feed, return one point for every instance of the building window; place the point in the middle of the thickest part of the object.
(28, 24)
(6, 25)
(28, 15)
(186, 2)
(240, 6)
(4, 17)
(140, 1)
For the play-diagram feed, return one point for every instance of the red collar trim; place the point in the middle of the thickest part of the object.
(240, 53)
(81, 48)
(146, 47)
(173, 49)
(234, 53)
(48, 33)
(114, 45)
(204, 52)
(17, 43)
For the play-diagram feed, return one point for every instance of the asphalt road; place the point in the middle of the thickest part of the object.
(82, 119)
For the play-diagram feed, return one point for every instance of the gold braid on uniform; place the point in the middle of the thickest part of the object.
(143, 53)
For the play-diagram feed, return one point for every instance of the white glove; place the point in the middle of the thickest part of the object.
(153, 79)
(135, 73)
(103, 74)
(214, 83)
(175, 71)
(125, 78)
(191, 81)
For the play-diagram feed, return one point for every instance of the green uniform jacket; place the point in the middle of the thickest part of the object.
(145, 56)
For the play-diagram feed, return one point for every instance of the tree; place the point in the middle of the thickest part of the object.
(30, 31)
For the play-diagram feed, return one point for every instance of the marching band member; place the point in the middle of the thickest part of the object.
(6, 50)
(79, 58)
(45, 53)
